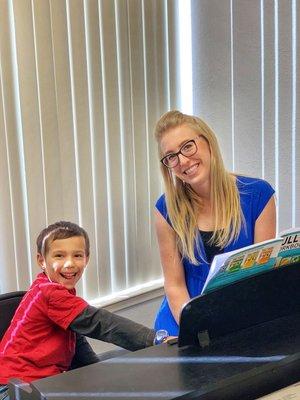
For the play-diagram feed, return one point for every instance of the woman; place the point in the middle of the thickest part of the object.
(205, 210)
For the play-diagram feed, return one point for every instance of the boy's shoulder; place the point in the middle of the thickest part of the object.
(49, 289)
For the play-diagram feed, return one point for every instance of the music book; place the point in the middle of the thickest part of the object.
(239, 264)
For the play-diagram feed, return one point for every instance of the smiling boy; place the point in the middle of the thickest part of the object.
(41, 339)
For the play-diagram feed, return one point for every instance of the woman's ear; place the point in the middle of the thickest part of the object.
(41, 261)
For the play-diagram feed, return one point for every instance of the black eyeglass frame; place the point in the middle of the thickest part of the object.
(179, 152)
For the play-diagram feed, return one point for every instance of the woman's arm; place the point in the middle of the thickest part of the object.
(175, 286)
(265, 225)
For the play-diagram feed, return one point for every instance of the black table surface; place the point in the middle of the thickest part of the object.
(257, 361)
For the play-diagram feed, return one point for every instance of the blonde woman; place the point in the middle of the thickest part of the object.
(205, 210)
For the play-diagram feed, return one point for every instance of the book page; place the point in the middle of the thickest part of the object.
(242, 263)
(216, 265)
(289, 252)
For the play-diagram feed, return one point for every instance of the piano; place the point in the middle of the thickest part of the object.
(241, 342)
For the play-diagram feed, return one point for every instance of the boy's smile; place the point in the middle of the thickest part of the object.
(65, 261)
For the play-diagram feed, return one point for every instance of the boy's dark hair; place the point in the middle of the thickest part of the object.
(60, 230)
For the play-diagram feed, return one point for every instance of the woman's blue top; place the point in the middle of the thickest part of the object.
(254, 195)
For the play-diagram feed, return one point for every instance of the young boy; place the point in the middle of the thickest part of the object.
(41, 339)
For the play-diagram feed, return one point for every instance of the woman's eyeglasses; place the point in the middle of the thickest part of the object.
(188, 149)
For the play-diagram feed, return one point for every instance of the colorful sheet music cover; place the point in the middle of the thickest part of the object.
(289, 252)
(251, 260)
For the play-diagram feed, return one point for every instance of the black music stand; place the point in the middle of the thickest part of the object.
(257, 300)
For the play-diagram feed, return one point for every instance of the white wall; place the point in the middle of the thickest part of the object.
(246, 85)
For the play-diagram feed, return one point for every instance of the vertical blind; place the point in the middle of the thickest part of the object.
(246, 85)
(82, 84)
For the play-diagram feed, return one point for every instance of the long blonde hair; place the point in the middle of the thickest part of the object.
(183, 203)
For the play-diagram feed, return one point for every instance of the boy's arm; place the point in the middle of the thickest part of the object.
(101, 324)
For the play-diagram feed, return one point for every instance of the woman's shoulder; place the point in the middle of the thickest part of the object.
(161, 204)
(252, 184)
(161, 198)
(254, 194)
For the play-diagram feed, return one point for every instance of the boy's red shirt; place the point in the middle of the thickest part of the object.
(38, 343)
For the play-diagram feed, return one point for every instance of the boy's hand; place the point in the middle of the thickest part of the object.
(171, 340)
(162, 336)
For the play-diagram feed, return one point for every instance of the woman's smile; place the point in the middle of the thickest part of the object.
(191, 170)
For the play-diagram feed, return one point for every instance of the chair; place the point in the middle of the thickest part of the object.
(9, 302)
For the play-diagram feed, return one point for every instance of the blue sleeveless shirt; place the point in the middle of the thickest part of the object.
(254, 195)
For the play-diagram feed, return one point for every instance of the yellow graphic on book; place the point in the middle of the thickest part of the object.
(250, 259)
(235, 264)
(265, 255)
